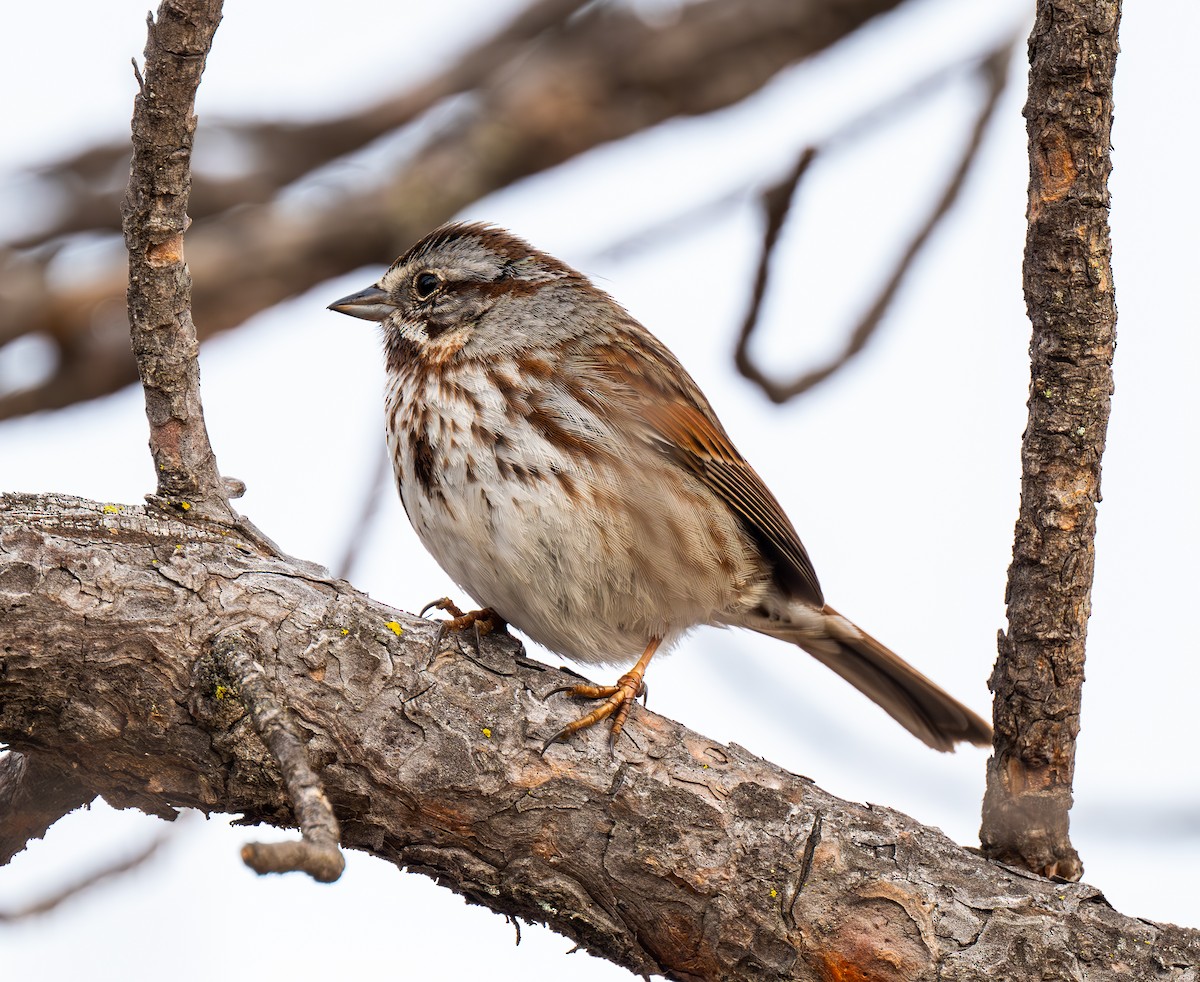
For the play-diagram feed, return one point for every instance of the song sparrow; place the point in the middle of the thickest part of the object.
(564, 469)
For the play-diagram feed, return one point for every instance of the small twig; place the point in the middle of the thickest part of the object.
(317, 852)
(137, 73)
(776, 201)
(154, 218)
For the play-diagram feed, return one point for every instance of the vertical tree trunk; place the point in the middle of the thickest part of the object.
(1069, 296)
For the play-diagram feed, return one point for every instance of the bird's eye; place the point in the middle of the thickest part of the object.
(425, 285)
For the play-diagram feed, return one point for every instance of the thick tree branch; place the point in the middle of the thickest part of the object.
(682, 856)
(1038, 677)
(603, 75)
(154, 220)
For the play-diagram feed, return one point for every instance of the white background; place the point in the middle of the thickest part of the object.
(901, 473)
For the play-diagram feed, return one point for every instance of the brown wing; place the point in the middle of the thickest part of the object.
(680, 422)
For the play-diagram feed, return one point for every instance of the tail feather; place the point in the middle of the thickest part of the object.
(919, 705)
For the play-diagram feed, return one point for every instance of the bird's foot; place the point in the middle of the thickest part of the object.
(481, 622)
(618, 700)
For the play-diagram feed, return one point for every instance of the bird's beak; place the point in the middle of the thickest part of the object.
(371, 304)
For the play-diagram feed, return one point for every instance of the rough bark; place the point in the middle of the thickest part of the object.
(154, 218)
(681, 856)
(33, 796)
(1038, 677)
(602, 76)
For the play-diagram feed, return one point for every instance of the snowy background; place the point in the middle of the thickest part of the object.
(901, 473)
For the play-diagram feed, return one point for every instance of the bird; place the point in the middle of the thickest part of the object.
(564, 469)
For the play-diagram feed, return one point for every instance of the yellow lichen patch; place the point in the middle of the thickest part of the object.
(345, 631)
(487, 732)
(395, 628)
(112, 509)
(185, 505)
(221, 691)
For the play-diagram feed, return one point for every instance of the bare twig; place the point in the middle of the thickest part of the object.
(34, 795)
(994, 69)
(317, 852)
(1068, 281)
(154, 218)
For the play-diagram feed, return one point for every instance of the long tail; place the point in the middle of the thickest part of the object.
(923, 708)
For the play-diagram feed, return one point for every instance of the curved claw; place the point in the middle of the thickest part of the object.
(554, 739)
(437, 643)
(485, 621)
(442, 603)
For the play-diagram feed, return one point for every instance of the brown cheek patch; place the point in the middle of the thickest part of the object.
(440, 349)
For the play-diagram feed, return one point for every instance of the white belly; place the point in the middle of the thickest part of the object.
(590, 557)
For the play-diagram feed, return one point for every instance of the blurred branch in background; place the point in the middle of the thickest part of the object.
(560, 79)
(283, 152)
(380, 481)
(85, 882)
(993, 70)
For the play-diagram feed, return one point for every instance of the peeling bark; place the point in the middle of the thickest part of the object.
(681, 856)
